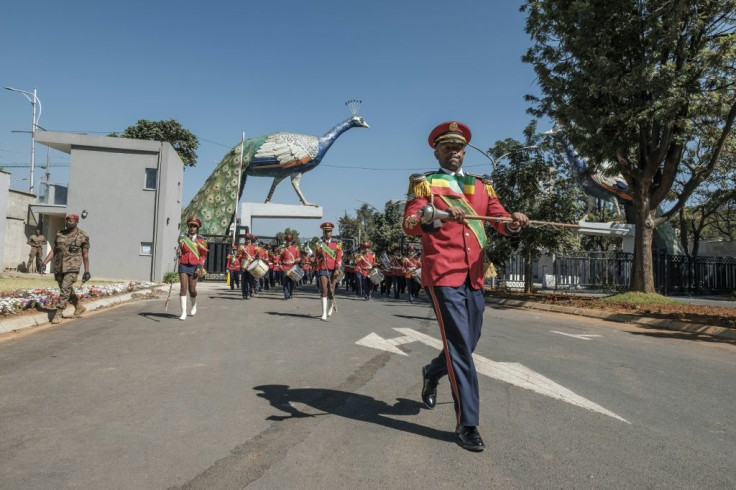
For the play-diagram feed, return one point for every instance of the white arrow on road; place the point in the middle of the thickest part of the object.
(583, 336)
(507, 372)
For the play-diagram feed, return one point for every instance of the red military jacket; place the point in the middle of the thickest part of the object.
(289, 257)
(452, 251)
(409, 265)
(192, 250)
(323, 260)
(307, 263)
(233, 261)
(364, 263)
(247, 254)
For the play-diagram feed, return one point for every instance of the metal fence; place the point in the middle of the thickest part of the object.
(673, 274)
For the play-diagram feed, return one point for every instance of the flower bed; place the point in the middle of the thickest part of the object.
(13, 302)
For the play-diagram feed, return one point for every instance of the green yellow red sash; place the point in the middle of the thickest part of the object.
(192, 246)
(326, 249)
(454, 191)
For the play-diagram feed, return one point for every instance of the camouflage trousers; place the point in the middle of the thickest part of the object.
(35, 254)
(66, 282)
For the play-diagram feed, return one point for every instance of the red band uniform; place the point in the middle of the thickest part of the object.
(453, 270)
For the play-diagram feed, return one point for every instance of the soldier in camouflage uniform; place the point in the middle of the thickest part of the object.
(36, 241)
(71, 249)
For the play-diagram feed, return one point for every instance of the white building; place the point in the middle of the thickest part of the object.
(128, 195)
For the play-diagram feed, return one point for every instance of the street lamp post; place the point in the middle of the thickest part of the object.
(33, 99)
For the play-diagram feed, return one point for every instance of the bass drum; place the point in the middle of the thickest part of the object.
(376, 276)
(258, 268)
(417, 275)
(295, 273)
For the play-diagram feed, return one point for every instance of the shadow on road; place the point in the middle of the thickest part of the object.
(152, 316)
(686, 336)
(350, 405)
(293, 315)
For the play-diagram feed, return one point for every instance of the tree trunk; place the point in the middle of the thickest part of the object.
(683, 230)
(642, 269)
(528, 273)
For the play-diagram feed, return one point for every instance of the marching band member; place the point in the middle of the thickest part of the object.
(290, 257)
(452, 269)
(409, 265)
(233, 268)
(263, 255)
(247, 253)
(328, 257)
(397, 273)
(363, 264)
(192, 252)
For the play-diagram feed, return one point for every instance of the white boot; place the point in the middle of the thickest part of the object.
(324, 308)
(194, 307)
(331, 309)
(183, 300)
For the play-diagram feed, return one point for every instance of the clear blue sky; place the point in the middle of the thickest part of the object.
(226, 67)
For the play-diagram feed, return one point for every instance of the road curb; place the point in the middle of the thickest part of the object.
(694, 328)
(43, 318)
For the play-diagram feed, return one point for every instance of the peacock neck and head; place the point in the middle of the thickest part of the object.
(577, 164)
(325, 142)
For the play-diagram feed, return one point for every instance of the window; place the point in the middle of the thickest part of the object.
(151, 175)
(146, 248)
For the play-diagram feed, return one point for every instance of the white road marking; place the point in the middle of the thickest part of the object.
(583, 336)
(513, 373)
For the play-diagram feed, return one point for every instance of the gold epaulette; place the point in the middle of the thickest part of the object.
(487, 183)
(419, 186)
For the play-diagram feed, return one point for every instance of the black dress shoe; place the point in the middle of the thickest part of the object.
(429, 390)
(469, 438)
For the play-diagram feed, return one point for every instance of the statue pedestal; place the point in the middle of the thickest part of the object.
(609, 229)
(250, 210)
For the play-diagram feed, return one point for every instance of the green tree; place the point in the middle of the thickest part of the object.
(625, 78)
(183, 141)
(281, 234)
(537, 184)
(386, 231)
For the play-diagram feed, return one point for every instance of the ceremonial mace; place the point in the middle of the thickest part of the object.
(429, 213)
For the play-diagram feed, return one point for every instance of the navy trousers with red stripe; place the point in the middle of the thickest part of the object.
(459, 313)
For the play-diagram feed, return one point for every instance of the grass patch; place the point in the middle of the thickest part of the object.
(639, 299)
(10, 283)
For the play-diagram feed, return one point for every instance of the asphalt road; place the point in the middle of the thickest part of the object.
(262, 394)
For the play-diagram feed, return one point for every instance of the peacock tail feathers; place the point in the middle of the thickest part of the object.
(216, 201)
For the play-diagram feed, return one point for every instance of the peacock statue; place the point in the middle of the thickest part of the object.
(600, 184)
(276, 155)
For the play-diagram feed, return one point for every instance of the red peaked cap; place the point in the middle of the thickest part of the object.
(364, 245)
(194, 220)
(73, 216)
(450, 131)
(327, 226)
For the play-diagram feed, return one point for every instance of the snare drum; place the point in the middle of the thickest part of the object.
(376, 276)
(295, 273)
(258, 268)
(417, 275)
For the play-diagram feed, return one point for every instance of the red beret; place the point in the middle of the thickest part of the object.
(194, 220)
(364, 245)
(327, 226)
(72, 216)
(250, 236)
(450, 131)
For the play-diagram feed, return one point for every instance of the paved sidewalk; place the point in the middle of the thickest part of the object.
(22, 322)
